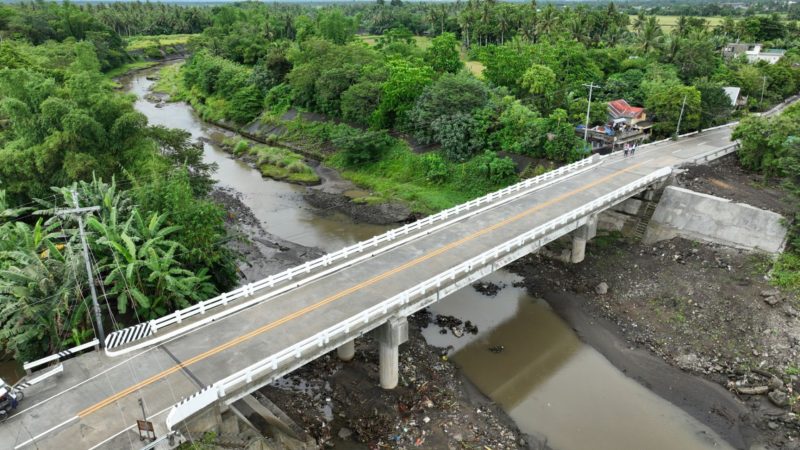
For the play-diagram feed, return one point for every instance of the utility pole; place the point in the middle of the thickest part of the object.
(78, 211)
(683, 106)
(763, 88)
(591, 87)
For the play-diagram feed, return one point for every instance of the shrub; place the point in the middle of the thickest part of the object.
(434, 167)
(241, 147)
(361, 147)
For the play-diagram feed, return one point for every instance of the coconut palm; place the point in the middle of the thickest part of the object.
(650, 35)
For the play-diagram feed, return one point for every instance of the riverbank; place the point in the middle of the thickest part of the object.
(705, 310)
(262, 253)
(266, 221)
(328, 191)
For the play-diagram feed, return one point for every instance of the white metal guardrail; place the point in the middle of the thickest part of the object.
(210, 394)
(137, 332)
(715, 154)
(29, 366)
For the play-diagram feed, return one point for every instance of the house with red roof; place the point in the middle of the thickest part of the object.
(620, 110)
(626, 125)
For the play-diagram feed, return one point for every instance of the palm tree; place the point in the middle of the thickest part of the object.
(650, 35)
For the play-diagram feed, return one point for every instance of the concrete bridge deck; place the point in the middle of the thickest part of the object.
(95, 402)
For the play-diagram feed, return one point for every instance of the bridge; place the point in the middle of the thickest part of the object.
(208, 356)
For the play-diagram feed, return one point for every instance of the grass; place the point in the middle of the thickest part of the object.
(170, 81)
(279, 163)
(396, 176)
(145, 42)
(130, 67)
(786, 271)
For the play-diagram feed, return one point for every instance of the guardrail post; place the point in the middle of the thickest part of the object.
(390, 335)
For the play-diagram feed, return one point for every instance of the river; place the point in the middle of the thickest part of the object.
(278, 206)
(554, 387)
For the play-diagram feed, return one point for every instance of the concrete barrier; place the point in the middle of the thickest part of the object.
(703, 217)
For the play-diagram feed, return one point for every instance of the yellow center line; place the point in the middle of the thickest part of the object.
(344, 293)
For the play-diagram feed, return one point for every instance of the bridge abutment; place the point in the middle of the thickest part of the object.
(347, 351)
(390, 335)
(579, 238)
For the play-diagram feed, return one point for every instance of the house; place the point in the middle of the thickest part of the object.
(626, 125)
(753, 52)
(735, 94)
(621, 110)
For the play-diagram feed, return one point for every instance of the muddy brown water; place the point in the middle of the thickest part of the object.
(278, 206)
(553, 386)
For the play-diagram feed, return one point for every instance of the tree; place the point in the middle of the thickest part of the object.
(540, 82)
(505, 65)
(143, 268)
(625, 85)
(360, 100)
(334, 26)
(450, 93)
(400, 91)
(460, 136)
(649, 34)
(716, 106)
(696, 57)
(664, 101)
(39, 291)
(443, 54)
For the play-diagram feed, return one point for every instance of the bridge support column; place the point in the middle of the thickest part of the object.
(347, 351)
(390, 335)
(579, 238)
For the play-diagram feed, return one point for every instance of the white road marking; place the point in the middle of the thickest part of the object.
(33, 439)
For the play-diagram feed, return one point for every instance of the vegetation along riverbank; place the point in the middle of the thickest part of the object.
(388, 111)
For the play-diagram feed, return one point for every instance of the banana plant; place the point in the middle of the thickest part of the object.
(141, 265)
(39, 292)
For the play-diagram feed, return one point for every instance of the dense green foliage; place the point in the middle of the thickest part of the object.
(771, 146)
(155, 243)
(40, 22)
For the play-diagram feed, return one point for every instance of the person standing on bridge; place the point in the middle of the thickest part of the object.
(633, 148)
(625, 149)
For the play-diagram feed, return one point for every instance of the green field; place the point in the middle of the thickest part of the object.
(669, 22)
(145, 42)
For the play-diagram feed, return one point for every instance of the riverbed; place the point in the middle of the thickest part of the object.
(556, 388)
(279, 206)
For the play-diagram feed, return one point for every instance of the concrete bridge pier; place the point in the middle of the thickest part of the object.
(347, 351)
(390, 335)
(580, 236)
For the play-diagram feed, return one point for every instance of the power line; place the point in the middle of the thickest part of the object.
(78, 212)
(591, 87)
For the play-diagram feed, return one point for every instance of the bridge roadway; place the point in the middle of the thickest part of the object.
(95, 402)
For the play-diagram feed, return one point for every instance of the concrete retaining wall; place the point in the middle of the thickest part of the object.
(692, 215)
